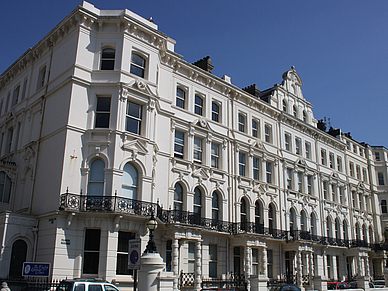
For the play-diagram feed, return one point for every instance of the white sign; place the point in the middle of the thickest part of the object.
(134, 254)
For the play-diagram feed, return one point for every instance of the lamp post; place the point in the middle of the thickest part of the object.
(152, 224)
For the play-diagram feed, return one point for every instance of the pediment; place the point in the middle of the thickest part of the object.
(201, 174)
(202, 122)
(135, 146)
(139, 86)
(361, 186)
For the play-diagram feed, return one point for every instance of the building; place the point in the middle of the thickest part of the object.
(103, 123)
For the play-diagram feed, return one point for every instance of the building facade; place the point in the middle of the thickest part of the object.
(103, 123)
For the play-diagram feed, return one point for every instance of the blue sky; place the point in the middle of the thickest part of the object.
(339, 48)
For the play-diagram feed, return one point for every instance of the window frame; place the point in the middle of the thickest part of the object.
(134, 66)
(100, 112)
(199, 108)
(198, 150)
(91, 251)
(133, 119)
(106, 63)
(268, 133)
(298, 149)
(216, 113)
(256, 168)
(242, 122)
(380, 179)
(307, 150)
(242, 163)
(41, 77)
(215, 155)
(287, 141)
(269, 171)
(179, 153)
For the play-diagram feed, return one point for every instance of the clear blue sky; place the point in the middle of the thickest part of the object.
(339, 48)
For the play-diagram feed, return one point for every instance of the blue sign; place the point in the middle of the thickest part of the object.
(36, 269)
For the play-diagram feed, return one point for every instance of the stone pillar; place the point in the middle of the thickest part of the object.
(367, 267)
(311, 269)
(359, 267)
(264, 259)
(175, 261)
(151, 265)
(334, 267)
(198, 266)
(248, 266)
(299, 268)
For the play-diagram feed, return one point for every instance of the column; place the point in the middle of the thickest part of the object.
(367, 268)
(248, 266)
(264, 256)
(198, 265)
(175, 261)
(359, 266)
(311, 268)
(299, 268)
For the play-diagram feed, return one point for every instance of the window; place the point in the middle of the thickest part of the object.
(15, 98)
(255, 128)
(361, 152)
(360, 201)
(270, 263)
(256, 168)
(287, 139)
(354, 199)
(381, 179)
(284, 105)
(331, 160)
(96, 178)
(351, 169)
(180, 97)
(255, 262)
(215, 206)
(339, 164)
(10, 137)
(122, 253)
(258, 215)
(169, 256)
(333, 193)
(191, 258)
(7, 102)
(24, 88)
(198, 107)
(383, 206)
(241, 164)
(328, 258)
(215, 155)
(108, 59)
(134, 116)
(323, 157)
(138, 64)
(91, 251)
(130, 182)
(241, 122)
(313, 224)
(300, 182)
(243, 213)
(215, 112)
(198, 150)
(102, 112)
(5, 187)
(297, 146)
(213, 257)
(304, 116)
(289, 179)
(295, 111)
(354, 149)
(325, 190)
(41, 78)
(178, 197)
(377, 156)
(179, 144)
(308, 150)
(364, 175)
(310, 185)
(197, 201)
(268, 133)
(268, 168)
(341, 195)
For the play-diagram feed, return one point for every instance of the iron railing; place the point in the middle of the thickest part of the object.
(122, 205)
(234, 282)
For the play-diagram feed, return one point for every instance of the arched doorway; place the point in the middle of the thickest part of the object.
(18, 257)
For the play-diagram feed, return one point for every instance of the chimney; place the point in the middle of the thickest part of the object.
(204, 64)
(253, 90)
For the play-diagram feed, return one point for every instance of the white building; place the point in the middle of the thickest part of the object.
(102, 123)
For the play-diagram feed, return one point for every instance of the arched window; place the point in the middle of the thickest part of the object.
(215, 206)
(178, 197)
(292, 220)
(243, 214)
(130, 182)
(96, 178)
(295, 111)
(304, 116)
(303, 226)
(313, 224)
(108, 59)
(138, 65)
(5, 187)
(271, 218)
(284, 105)
(345, 230)
(197, 201)
(328, 227)
(337, 229)
(18, 257)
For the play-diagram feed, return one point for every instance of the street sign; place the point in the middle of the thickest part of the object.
(134, 254)
(36, 269)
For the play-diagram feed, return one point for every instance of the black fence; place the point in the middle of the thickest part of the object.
(115, 204)
(31, 284)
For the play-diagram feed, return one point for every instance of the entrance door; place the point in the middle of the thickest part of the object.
(18, 257)
(237, 261)
(289, 256)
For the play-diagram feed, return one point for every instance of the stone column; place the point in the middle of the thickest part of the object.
(367, 267)
(311, 269)
(299, 268)
(264, 258)
(248, 266)
(175, 261)
(359, 266)
(198, 266)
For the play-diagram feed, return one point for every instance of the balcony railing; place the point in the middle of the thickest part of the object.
(115, 204)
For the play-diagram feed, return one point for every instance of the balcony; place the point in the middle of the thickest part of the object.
(121, 205)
